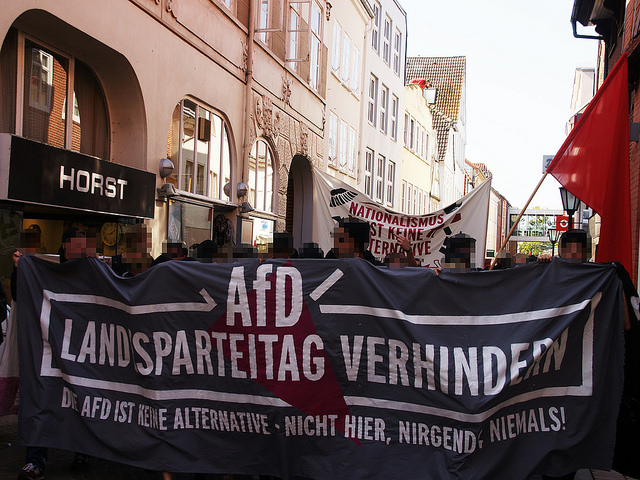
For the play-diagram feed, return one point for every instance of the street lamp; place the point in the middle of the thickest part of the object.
(553, 235)
(570, 203)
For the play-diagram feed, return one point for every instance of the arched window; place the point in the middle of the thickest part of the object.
(75, 120)
(261, 176)
(200, 149)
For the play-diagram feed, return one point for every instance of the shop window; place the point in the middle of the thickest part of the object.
(261, 176)
(52, 114)
(199, 147)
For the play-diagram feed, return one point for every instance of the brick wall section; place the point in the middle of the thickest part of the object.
(56, 123)
(630, 44)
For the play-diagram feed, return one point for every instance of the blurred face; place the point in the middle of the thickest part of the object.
(343, 244)
(574, 252)
(79, 247)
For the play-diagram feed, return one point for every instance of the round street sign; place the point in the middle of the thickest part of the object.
(562, 223)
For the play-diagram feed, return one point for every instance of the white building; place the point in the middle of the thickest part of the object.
(346, 40)
(384, 76)
(419, 187)
(448, 76)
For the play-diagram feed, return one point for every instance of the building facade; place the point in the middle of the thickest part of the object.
(231, 92)
(418, 184)
(617, 30)
(382, 106)
(448, 76)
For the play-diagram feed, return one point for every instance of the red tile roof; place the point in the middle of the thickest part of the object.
(447, 74)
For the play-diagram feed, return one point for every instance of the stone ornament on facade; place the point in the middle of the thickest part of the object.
(267, 118)
(328, 10)
(304, 139)
(245, 56)
(171, 8)
(286, 90)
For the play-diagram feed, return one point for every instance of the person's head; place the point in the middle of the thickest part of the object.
(138, 239)
(351, 237)
(505, 260)
(396, 260)
(311, 250)
(76, 244)
(206, 251)
(574, 246)
(460, 252)
(30, 241)
(281, 246)
(176, 250)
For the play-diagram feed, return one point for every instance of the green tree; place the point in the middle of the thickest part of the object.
(532, 248)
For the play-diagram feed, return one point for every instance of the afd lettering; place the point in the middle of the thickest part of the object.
(90, 182)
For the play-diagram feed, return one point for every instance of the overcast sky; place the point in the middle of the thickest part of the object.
(521, 61)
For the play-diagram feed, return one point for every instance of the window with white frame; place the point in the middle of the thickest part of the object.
(346, 60)
(342, 151)
(384, 107)
(41, 79)
(386, 41)
(199, 143)
(414, 199)
(75, 119)
(261, 176)
(403, 199)
(304, 30)
(391, 178)
(294, 35)
(373, 100)
(353, 151)
(412, 134)
(368, 171)
(333, 138)
(394, 117)
(315, 45)
(355, 71)
(397, 48)
(406, 130)
(375, 32)
(227, 3)
(379, 179)
(335, 48)
(426, 145)
(263, 20)
(409, 198)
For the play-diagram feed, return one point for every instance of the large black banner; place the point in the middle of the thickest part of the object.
(323, 368)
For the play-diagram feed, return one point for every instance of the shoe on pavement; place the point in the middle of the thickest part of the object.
(30, 472)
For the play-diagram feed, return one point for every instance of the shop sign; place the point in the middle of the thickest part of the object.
(46, 175)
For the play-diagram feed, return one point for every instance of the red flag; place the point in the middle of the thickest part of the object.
(593, 164)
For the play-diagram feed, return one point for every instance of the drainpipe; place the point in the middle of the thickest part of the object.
(248, 96)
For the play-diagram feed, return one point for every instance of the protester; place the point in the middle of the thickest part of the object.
(75, 245)
(573, 246)
(409, 258)
(351, 239)
(282, 246)
(172, 251)
(459, 253)
(311, 250)
(136, 257)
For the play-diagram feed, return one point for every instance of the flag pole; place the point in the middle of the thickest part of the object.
(515, 223)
